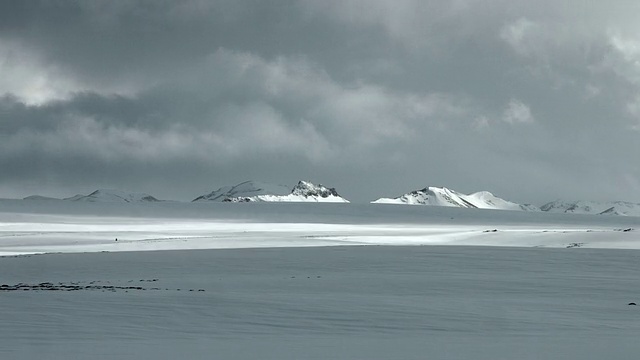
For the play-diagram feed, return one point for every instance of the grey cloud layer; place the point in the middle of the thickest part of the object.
(530, 101)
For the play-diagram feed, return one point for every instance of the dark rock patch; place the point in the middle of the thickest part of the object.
(77, 286)
(574, 245)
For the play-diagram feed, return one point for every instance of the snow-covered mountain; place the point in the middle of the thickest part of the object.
(252, 191)
(104, 195)
(245, 189)
(441, 196)
(592, 207)
(306, 191)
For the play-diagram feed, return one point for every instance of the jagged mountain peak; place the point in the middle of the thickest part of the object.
(306, 188)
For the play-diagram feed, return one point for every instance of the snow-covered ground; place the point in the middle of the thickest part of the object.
(266, 282)
(425, 302)
(28, 227)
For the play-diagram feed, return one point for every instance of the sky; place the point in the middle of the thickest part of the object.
(531, 100)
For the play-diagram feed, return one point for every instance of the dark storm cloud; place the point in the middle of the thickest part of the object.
(529, 100)
(115, 40)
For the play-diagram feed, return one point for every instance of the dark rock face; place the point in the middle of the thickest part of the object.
(307, 189)
(239, 199)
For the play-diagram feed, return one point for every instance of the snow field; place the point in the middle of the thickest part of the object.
(152, 234)
(267, 281)
(332, 302)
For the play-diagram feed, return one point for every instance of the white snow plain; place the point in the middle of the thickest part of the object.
(545, 286)
(31, 226)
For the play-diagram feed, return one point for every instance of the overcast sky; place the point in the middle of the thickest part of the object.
(531, 100)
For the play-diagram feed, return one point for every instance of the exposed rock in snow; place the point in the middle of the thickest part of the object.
(251, 191)
(247, 189)
(592, 207)
(103, 195)
(441, 196)
(611, 211)
(307, 189)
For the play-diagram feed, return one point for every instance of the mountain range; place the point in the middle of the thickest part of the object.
(102, 195)
(441, 196)
(305, 191)
(592, 207)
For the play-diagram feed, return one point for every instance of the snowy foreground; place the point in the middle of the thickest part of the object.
(325, 303)
(549, 286)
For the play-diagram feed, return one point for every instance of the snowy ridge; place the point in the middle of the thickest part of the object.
(40, 198)
(244, 190)
(441, 196)
(251, 191)
(104, 195)
(306, 191)
(593, 207)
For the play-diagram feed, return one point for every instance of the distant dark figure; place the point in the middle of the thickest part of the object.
(116, 239)
(632, 303)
